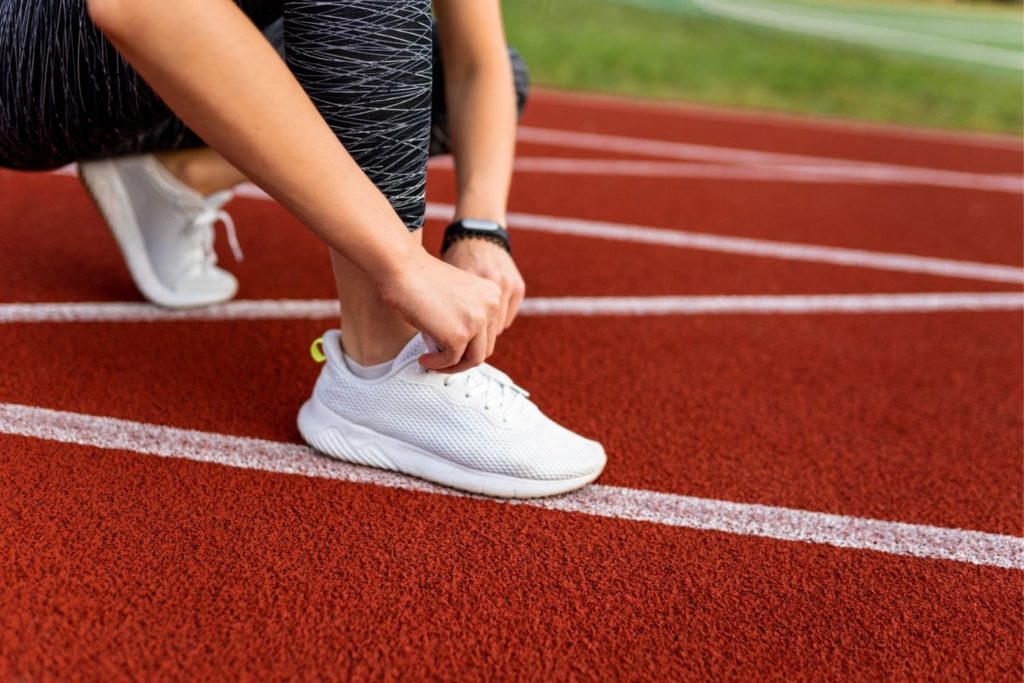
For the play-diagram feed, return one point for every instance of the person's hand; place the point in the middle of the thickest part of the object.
(459, 310)
(489, 260)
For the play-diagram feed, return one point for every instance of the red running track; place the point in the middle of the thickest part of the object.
(119, 565)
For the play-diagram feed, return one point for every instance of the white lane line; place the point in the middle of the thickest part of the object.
(791, 174)
(1013, 184)
(755, 247)
(830, 167)
(137, 312)
(327, 309)
(673, 169)
(748, 246)
(841, 28)
(744, 519)
(775, 304)
(684, 111)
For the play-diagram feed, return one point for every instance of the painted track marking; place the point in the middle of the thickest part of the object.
(776, 174)
(755, 247)
(758, 247)
(325, 309)
(748, 246)
(745, 519)
(827, 167)
(793, 121)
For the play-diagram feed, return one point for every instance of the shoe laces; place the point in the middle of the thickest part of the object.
(200, 229)
(492, 389)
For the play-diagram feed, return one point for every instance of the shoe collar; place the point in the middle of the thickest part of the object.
(410, 353)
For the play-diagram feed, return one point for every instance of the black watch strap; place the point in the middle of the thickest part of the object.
(476, 228)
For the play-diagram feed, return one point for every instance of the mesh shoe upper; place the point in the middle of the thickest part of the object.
(176, 222)
(477, 419)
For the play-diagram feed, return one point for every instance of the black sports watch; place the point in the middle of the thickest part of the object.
(476, 228)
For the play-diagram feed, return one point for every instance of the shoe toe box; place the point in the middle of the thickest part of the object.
(211, 286)
(563, 454)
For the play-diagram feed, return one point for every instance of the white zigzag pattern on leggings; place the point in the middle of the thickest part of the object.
(378, 53)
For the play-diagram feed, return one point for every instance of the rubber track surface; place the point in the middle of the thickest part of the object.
(122, 566)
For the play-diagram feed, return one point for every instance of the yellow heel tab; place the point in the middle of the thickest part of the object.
(316, 350)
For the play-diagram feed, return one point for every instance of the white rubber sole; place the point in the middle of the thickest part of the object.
(335, 436)
(103, 183)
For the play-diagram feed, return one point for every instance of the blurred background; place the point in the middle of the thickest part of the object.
(919, 62)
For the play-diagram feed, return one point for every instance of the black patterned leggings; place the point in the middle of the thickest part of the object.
(369, 66)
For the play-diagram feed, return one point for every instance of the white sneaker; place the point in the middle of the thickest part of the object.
(164, 230)
(475, 430)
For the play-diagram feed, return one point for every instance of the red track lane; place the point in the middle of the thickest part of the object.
(925, 221)
(789, 135)
(116, 565)
(911, 418)
(127, 567)
(59, 250)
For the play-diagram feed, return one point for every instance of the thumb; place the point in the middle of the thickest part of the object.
(439, 357)
(439, 360)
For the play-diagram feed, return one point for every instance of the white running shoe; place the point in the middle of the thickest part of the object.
(475, 430)
(164, 230)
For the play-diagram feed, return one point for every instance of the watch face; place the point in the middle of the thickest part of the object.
(477, 224)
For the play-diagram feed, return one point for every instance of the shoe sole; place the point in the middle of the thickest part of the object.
(103, 184)
(335, 436)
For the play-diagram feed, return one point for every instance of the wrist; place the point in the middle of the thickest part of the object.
(471, 205)
(475, 230)
(396, 262)
(404, 274)
(498, 217)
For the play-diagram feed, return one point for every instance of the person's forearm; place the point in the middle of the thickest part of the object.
(215, 70)
(482, 119)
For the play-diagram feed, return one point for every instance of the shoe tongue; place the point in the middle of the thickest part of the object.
(412, 351)
(218, 199)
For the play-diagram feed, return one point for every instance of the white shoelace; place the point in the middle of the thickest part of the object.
(200, 230)
(491, 387)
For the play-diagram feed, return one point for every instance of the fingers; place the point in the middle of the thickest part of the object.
(451, 357)
(517, 293)
(490, 262)
(473, 353)
(512, 291)
(502, 319)
(464, 313)
(513, 288)
(482, 346)
(476, 353)
(445, 357)
(492, 337)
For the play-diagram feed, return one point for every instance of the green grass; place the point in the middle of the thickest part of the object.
(999, 26)
(598, 45)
